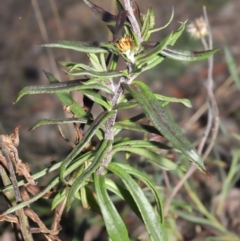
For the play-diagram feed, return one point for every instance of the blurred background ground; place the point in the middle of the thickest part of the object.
(22, 63)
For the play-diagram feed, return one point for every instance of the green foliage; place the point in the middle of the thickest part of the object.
(85, 166)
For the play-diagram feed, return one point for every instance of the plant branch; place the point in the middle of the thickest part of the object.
(133, 20)
(210, 92)
(109, 132)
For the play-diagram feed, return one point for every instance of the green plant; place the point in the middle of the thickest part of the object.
(83, 174)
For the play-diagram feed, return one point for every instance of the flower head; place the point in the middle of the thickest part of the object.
(198, 28)
(126, 45)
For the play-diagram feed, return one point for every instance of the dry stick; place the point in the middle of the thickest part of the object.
(226, 84)
(196, 116)
(211, 95)
(166, 180)
(58, 215)
(219, 92)
(23, 221)
(215, 123)
(57, 19)
(209, 89)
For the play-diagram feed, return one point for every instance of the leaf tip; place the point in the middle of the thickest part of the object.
(197, 160)
(69, 202)
(208, 175)
(18, 98)
(32, 128)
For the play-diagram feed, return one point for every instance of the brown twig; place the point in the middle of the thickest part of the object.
(65, 138)
(58, 215)
(211, 95)
(8, 151)
(50, 234)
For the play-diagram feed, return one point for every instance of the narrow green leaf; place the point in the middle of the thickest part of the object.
(144, 178)
(137, 117)
(136, 127)
(159, 47)
(97, 98)
(87, 137)
(97, 80)
(115, 226)
(143, 57)
(169, 21)
(62, 87)
(103, 61)
(84, 47)
(152, 145)
(72, 65)
(232, 66)
(58, 199)
(168, 99)
(95, 62)
(195, 219)
(227, 185)
(91, 199)
(152, 156)
(147, 24)
(67, 99)
(123, 193)
(80, 181)
(119, 5)
(113, 63)
(132, 119)
(150, 63)
(108, 74)
(58, 122)
(125, 105)
(187, 55)
(177, 34)
(160, 119)
(126, 102)
(151, 220)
